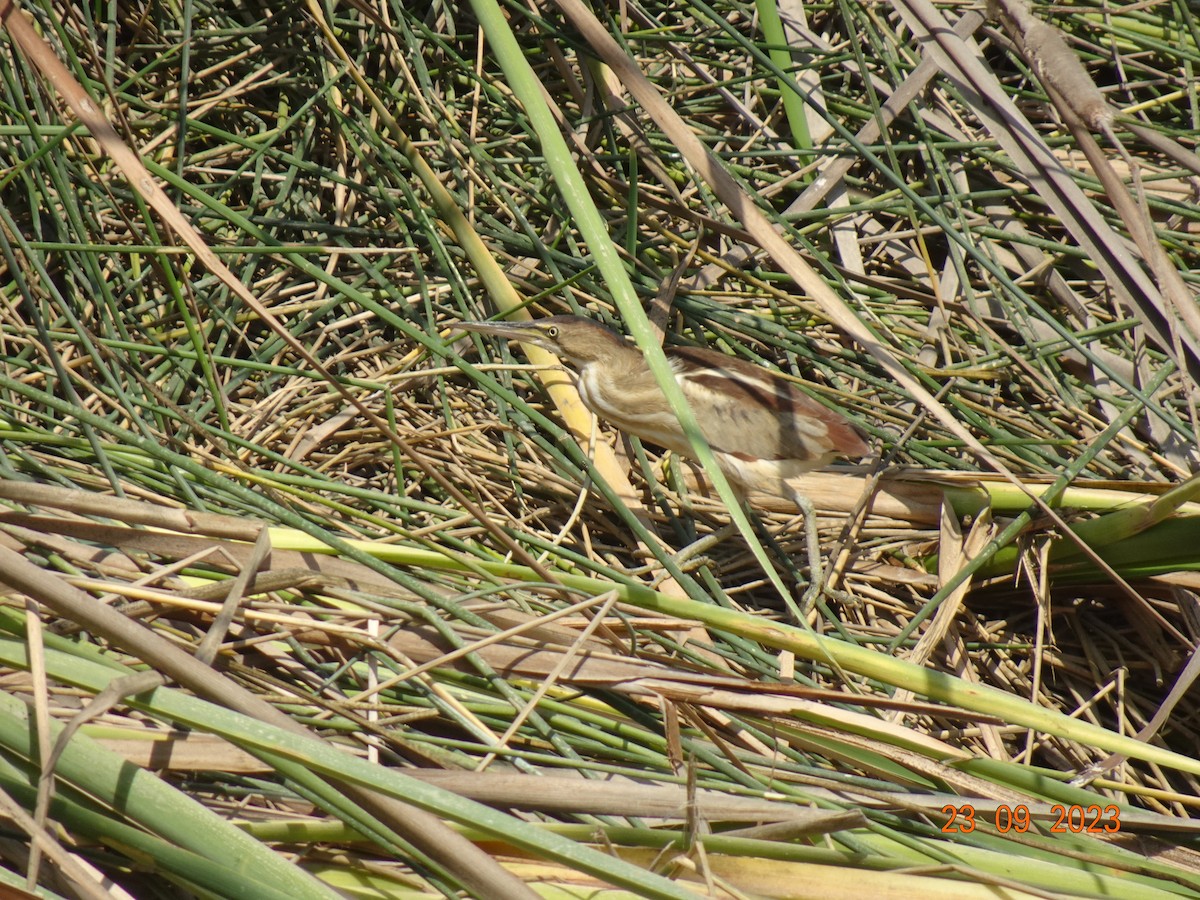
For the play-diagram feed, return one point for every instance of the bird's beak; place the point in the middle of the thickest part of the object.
(512, 331)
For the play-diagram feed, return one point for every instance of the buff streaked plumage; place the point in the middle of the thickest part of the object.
(760, 425)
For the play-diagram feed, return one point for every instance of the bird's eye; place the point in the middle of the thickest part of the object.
(552, 331)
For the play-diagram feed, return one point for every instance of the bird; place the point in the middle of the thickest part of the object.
(762, 428)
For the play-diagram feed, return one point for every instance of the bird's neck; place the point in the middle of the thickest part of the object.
(619, 361)
(603, 378)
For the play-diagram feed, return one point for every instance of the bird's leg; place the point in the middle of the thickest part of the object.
(773, 483)
(702, 545)
(770, 540)
(816, 572)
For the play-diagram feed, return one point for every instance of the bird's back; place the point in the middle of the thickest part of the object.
(754, 413)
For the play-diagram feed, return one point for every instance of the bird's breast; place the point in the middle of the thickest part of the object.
(632, 402)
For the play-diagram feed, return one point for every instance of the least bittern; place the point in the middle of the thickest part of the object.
(762, 428)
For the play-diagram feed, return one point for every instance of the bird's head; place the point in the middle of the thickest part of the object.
(576, 340)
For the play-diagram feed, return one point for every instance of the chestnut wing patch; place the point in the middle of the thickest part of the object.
(749, 412)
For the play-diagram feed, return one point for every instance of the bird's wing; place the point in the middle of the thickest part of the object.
(752, 412)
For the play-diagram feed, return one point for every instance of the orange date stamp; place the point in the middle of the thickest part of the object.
(1063, 819)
